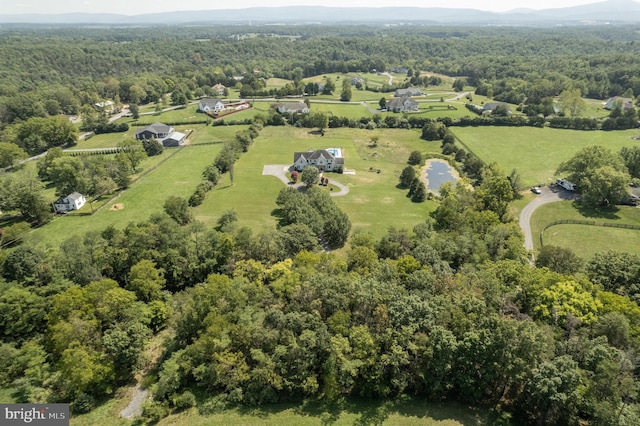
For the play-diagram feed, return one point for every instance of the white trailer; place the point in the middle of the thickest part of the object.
(566, 184)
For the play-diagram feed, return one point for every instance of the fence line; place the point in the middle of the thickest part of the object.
(144, 173)
(469, 150)
(585, 222)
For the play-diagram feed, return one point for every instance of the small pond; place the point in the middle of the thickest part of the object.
(439, 172)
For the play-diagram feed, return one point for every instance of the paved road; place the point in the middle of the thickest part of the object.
(550, 194)
(280, 171)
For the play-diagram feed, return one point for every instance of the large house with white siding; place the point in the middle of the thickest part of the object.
(292, 108)
(211, 105)
(402, 104)
(322, 159)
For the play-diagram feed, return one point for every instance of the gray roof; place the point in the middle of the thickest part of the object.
(625, 103)
(491, 106)
(314, 155)
(176, 136)
(293, 107)
(210, 102)
(155, 128)
(399, 102)
(74, 196)
(411, 91)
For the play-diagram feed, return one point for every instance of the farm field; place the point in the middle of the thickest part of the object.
(206, 134)
(586, 240)
(179, 176)
(343, 110)
(535, 153)
(600, 239)
(373, 203)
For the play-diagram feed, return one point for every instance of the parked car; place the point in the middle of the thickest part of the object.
(631, 201)
(536, 190)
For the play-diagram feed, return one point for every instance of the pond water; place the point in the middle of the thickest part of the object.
(438, 173)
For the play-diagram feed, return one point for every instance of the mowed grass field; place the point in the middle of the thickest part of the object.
(178, 175)
(586, 240)
(344, 110)
(373, 203)
(405, 412)
(536, 153)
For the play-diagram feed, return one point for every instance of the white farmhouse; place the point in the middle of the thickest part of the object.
(73, 201)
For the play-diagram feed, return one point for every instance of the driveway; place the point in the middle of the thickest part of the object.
(280, 171)
(550, 194)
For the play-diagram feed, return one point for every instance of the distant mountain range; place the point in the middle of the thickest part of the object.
(610, 11)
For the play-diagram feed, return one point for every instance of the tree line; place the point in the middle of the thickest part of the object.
(79, 68)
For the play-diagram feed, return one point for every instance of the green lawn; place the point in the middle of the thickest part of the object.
(204, 134)
(276, 83)
(407, 412)
(586, 240)
(373, 203)
(179, 176)
(173, 116)
(344, 110)
(593, 239)
(106, 140)
(535, 153)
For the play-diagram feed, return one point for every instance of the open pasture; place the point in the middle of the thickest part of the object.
(536, 153)
(586, 240)
(208, 134)
(343, 110)
(276, 83)
(599, 238)
(178, 115)
(178, 176)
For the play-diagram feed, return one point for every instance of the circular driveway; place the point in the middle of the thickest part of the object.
(280, 171)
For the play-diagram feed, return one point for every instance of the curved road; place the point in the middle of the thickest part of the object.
(550, 194)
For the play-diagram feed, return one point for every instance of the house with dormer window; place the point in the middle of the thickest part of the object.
(326, 160)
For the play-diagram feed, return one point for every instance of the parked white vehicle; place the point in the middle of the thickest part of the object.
(566, 184)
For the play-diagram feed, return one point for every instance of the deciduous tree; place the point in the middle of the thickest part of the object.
(133, 151)
(310, 176)
(10, 154)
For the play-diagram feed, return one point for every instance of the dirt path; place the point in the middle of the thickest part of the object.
(140, 395)
(134, 408)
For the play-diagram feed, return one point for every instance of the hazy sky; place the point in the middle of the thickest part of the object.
(136, 7)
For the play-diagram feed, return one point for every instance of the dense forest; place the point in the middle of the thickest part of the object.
(50, 71)
(452, 309)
